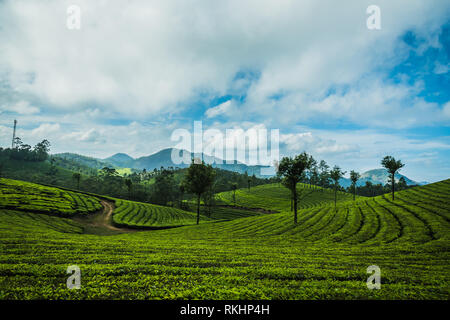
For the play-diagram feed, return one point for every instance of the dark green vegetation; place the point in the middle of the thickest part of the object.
(159, 186)
(259, 255)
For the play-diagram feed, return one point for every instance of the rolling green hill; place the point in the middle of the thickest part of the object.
(30, 197)
(419, 215)
(276, 197)
(324, 256)
(138, 214)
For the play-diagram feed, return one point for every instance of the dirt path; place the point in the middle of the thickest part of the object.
(106, 222)
(101, 222)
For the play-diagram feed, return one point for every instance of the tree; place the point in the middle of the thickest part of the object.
(402, 185)
(234, 187)
(198, 179)
(392, 166)
(129, 184)
(53, 170)
(324, 175)
(312, 167)
(289, 184)
(335, 175)
(292, 171)
(182, 190)
(41, 150)
(77, 177)
(165, 188)
(354, 176)
(209, 199)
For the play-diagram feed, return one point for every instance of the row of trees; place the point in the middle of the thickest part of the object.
(294, 170)
(25, 152)
(371, 190)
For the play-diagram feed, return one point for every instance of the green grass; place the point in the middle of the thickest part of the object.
(266, 256)
(137, 214)
(276, 197)
(25, 196)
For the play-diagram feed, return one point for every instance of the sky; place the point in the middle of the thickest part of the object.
(136, 71)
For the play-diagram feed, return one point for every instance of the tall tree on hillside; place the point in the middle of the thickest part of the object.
(234, 187)
(324, 175)
(165, 188)
(198, 179)
(354, 176)
(77, 177)
(288, 183)
(392, 166)
(292, 171)
(182, 190)
(129, 185)
(41, 150)
(311, 168)
(335, 174)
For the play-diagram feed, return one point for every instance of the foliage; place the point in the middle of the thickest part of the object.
(335, 174)
(392, 166)
(325, 256)
(19, 195)
(292, 171)
(199, 178)
(22, 151)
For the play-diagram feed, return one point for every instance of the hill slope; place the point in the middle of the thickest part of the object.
(419, 215)
(276, 197)
(325, 256)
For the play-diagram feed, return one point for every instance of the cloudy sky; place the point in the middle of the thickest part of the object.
(137, 70)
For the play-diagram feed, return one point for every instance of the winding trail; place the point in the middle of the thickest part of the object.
(102, 220)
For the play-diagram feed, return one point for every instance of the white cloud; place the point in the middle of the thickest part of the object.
(91, 135)
(219, 109)
(150, 60)
(147, 57)
(20, 107)
(306, 141)
(446, 110)
(46, 129)
(441, 68)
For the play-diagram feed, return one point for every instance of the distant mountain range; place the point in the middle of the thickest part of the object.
(163, 158)
(377, 176)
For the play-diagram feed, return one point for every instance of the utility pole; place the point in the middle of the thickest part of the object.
(14, 134)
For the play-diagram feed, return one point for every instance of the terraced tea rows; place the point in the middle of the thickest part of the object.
(266, 256)
(136, 214)
(25, 196)
(276, 197)
(365, 221)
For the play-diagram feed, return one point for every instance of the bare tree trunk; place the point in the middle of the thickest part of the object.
(198, 209)
(354, 191)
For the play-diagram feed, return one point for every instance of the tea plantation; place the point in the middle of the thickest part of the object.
(254, 255)
(136, 214)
